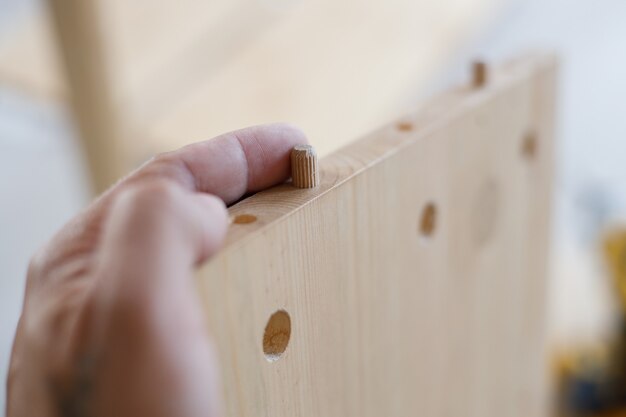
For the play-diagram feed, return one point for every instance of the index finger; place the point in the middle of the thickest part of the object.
(227, 166)
(232, 164)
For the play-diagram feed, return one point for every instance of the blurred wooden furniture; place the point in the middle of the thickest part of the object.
(412, 280)
(30, 61)
(148, 76)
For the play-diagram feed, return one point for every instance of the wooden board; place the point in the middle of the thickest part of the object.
(336, 69)
(30, 61)
(150, 76)
(414, 276)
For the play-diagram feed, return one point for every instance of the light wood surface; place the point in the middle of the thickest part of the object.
(412, 280)
(101, 118)
(151, 76)
(30, 61)
(336, 69)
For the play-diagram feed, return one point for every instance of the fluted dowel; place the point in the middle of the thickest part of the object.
(304, 170)
(480, 73)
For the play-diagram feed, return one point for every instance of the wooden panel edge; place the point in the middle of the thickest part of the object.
(275, 204)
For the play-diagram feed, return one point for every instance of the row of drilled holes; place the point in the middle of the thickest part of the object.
(278, 329)
(528, 145)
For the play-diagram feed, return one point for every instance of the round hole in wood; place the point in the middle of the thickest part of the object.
(404, 126)
(529, 145)
(428, 220)
(244, 219)
(276, 336)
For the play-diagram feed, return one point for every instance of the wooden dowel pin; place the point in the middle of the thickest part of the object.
(304, 169)
(480, 73)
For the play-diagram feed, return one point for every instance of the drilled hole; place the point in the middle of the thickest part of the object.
(276, 336)
(404, 126)
(244, 219)
(529, 145)
(428, 220)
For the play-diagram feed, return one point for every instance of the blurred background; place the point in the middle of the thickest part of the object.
(161, 74)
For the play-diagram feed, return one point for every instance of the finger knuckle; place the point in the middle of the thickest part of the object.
(36, 266)
(163, 165)
(153, 191)
(40, 265)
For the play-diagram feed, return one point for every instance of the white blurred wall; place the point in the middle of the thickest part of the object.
(42, 185)
(590, 37)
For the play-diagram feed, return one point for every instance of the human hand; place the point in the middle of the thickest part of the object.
(111, 324)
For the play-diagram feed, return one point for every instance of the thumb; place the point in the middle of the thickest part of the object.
(149, 330)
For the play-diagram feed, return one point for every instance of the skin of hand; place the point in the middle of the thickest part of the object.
(111, 324)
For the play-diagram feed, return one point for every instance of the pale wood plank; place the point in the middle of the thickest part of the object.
(162, 74)
(336, 69)
(30, 61)
(385, 321)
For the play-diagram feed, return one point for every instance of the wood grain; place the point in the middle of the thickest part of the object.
(414, 276)
(152, 75)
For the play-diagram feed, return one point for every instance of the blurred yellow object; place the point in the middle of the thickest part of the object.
(615, 254)
(575, 361)
(592, 380)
